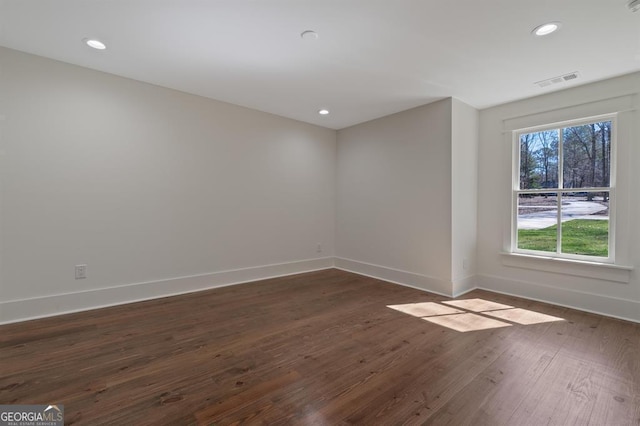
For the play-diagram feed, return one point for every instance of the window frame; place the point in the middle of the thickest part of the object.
(516, 191)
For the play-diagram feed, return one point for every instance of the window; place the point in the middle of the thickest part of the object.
(563, 190)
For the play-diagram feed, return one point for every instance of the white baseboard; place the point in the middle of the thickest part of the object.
(40, 307)
(464, 286)
(628, 310)
(395, 276)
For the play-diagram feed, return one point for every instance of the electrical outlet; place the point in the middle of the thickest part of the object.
(319, 248)
(81, 272)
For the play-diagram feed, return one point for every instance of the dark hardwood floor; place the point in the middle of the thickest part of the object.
(321, 348)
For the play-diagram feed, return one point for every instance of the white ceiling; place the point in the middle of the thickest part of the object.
(372, 57)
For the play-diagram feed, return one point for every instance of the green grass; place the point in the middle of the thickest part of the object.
(579, 236)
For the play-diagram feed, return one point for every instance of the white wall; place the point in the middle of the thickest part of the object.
(464, 195)
(144, 185)
(620, 299)
(161, 192)
(393, 215)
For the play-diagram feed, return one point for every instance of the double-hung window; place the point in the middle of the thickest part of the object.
(564, 190)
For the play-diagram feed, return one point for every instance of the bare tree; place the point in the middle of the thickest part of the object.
(547, 156)
(605, 148)
(587, 156)
(527, 161)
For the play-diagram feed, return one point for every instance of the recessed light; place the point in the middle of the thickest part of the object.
(546, 29)
(96, 44)
(323, 112)
(309, 35)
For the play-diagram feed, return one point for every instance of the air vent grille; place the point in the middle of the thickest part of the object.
(557, 80)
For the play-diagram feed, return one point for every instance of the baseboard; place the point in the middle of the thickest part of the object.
(463, 286)
(27, 309)
(396, 276)
(588, 302)
(628, 310)
(40, 307)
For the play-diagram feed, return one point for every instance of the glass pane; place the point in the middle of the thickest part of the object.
(586, 154)
(539, 160)
(585, 223)
(537, 222)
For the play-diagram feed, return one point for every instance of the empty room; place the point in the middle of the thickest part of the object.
(367, 212)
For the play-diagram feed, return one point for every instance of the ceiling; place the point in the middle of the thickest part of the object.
(372, 57)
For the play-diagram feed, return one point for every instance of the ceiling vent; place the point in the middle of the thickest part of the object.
(559, 79)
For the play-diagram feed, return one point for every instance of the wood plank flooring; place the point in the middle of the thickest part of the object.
(321, 348)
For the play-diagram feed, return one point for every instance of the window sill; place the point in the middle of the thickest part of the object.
(578, 268)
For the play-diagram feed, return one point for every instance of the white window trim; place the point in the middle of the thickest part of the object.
(626, 106)
(577, 268)
(515, 190)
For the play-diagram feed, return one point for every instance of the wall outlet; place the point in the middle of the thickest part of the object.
(319, 248)
(81, 272)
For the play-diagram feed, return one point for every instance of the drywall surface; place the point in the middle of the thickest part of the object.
(394, 196)
(464, 194)
(571, 285)
(146, 184)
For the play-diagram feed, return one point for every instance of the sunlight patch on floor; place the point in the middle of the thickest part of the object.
(425, 309)
(477, 305)
(523, 316)
(466, 322)
(486, 314)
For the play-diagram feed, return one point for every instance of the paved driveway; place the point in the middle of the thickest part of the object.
(571, 210)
